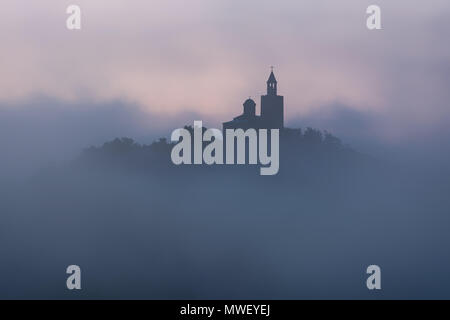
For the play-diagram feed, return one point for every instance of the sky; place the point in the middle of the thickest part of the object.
(203, 57)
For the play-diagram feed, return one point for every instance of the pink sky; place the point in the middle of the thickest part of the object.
(209, 56)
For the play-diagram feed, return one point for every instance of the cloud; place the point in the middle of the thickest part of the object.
(44, 131)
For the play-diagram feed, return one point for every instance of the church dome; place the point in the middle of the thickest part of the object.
(249, 108)
(249, 102)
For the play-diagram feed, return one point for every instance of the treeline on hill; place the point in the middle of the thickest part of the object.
(301, 151)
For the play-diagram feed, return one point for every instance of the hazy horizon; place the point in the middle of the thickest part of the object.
(167, 59)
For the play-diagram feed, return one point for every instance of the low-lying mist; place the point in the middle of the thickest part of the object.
(140, 227)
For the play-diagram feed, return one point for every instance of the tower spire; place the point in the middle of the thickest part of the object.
(272, 84)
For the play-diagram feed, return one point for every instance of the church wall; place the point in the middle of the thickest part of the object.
(272, 111)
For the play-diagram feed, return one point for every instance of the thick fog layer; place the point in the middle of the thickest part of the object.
(140, 227)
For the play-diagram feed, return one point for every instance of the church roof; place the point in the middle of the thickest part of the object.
(242, 119)
(272, 78)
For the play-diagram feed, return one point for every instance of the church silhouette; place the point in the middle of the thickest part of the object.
(272, 111)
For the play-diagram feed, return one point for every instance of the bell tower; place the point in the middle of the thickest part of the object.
(272, 105)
